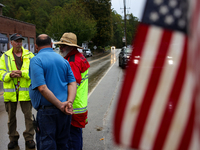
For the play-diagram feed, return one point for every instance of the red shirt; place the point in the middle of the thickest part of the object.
(79, 64)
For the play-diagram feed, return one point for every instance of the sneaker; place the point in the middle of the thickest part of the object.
(12, 144)
(30, 144)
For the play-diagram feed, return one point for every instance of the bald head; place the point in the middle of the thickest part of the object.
(43, 36)
(43, 40)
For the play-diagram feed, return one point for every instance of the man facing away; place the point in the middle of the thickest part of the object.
(80, 68)
(52, 92)
(14, 72)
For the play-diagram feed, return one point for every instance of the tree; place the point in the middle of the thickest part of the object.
(132, 24)
(9, 9)
(73, 17)
(23, 15)
(101, 10)
(118, 29)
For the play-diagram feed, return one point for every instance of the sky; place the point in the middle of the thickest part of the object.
(133, 6)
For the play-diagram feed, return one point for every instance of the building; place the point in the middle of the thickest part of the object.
(8, 26)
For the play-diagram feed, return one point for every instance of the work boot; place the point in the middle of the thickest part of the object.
(30, 144)
(12, 144)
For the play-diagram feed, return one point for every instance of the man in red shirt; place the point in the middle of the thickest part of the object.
(80, 68)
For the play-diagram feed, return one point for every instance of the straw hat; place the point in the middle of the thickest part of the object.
(69, 39)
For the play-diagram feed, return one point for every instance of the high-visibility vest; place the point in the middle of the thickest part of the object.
(79, 118)
(7, 65)
(80, 102)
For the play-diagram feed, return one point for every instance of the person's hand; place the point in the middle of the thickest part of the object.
(67, 108)
(16, 74)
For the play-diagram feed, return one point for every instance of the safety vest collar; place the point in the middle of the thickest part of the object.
(24, 52)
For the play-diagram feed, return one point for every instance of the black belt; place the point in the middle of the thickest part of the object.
(47, 107)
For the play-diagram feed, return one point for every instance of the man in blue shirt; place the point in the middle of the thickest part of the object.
(52, 92)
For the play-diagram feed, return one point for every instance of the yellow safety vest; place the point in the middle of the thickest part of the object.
(7, 65)
(80, 102)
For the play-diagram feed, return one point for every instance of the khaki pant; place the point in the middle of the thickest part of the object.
(26, 107)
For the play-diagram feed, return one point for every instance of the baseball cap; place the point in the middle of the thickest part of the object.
(16, 36)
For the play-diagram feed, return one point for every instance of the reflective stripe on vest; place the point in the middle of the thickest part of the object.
(6, 61)
(80, 110)
(4, 76)
(3, 69)
(82, 80)
(9, 90)
(23, 89)
(7, 68)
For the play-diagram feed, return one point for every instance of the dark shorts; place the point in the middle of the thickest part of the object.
(54, 129)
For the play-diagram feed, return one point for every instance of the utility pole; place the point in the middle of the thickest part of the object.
(125, 37)
(125, 22)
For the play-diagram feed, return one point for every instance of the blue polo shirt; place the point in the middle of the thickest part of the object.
(49, 68)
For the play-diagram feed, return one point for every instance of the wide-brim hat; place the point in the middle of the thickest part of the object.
(69, 39)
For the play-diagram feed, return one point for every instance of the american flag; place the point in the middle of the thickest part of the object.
(156, 106)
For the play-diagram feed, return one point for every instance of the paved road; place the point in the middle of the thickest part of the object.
(98, 133)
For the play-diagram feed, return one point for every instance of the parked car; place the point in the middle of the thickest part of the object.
(87, 52)
(124, 56)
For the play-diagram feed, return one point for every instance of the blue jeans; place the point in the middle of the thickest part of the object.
(76, 140)
(54, 129)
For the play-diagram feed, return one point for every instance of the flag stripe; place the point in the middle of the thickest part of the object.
(195, 15)
(141, 80)
(163, 90)
(181, 116)
(156, 68)
(187, 135)
(129, 78)
(172, 102)
(195, 144)
(194, 45)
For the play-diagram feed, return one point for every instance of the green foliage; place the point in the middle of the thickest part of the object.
(71, 18)
(101, 10)
(23, 15)
(9, 9)
(131, 25)
(118, 29)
